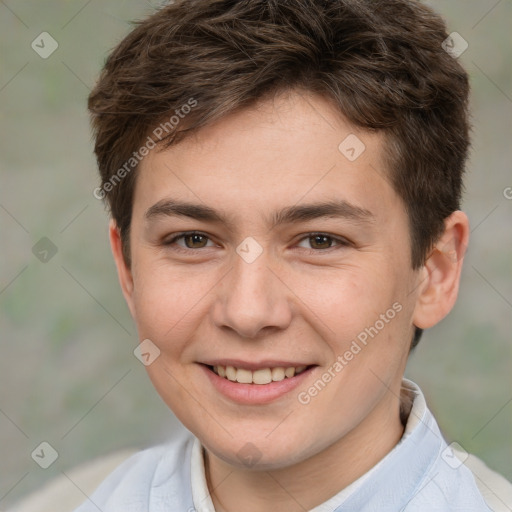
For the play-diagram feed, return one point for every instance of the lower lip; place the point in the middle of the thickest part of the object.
(255, 394)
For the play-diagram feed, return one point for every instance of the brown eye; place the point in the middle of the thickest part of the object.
(320, 241)
(186, 241)
(195, 241)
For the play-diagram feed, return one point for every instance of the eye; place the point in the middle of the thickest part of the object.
(323, 241)
(191, 240)
(319, 242)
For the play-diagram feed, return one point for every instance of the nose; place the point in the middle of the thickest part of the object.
(252, 299)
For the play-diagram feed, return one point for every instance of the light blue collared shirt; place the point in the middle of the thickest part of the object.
(420, 474)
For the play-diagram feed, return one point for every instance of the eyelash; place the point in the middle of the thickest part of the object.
(171, 242)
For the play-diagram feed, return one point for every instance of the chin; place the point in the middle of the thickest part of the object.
(258, 452)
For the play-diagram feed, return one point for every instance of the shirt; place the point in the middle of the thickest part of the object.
(420, 474)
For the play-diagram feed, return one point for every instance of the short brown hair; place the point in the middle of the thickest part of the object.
(381, 63)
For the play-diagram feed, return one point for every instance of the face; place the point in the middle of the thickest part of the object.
(261, 244)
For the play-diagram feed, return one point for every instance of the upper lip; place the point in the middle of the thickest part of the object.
(253, 366)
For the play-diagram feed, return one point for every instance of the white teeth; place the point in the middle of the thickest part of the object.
(278, 374)
(231, 373)
(244, 376)
(290, 372)
(261, 376)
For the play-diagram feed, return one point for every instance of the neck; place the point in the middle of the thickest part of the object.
(309, 483)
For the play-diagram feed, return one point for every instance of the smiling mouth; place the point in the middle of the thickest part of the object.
(260, 376)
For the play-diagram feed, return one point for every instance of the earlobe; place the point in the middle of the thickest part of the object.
(438, 280)
(123, 271)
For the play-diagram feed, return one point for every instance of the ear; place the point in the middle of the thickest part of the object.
(123, 271)
(440, 276)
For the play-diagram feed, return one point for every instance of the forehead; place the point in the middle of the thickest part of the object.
(293, 149)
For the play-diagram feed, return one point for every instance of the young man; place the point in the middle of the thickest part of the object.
(284, 179)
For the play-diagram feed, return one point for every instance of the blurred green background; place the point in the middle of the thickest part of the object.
(68, 374)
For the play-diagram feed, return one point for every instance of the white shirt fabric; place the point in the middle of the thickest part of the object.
(420, 474)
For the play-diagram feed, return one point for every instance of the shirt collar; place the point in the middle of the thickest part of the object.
(419, 446)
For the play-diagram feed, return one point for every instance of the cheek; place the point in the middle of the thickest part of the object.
(348, 299)
(368, 316)
(165, 305)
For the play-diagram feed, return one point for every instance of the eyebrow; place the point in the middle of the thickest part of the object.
(290, 214)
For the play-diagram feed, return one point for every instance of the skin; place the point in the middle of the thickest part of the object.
(300, 300)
